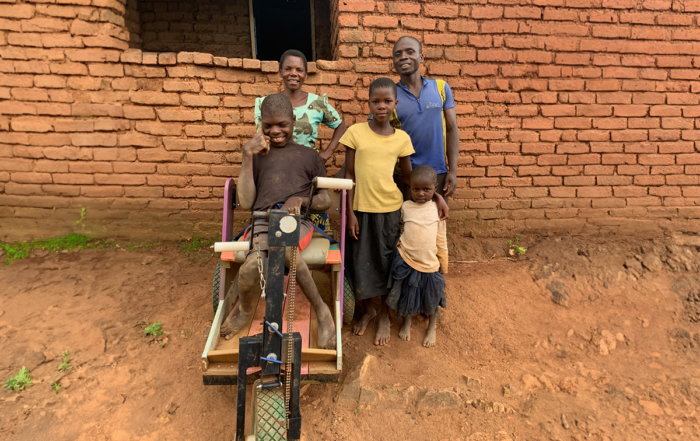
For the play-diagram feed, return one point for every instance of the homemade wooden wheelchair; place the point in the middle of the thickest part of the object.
(260, 352)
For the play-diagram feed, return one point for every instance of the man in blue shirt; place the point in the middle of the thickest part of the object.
(426, 111)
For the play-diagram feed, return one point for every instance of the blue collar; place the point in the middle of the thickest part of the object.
(401, 85)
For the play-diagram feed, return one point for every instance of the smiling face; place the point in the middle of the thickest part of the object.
(382, 102)
(278, 126)
(422, 189)
(293, 72)
(407, 56)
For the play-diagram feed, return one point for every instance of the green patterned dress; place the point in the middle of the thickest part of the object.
(308, 117)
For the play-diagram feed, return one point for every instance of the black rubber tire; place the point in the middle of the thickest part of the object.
(215, 287)
(348, 301)
(269, 417)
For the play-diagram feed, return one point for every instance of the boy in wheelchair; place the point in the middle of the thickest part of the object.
(276, 171)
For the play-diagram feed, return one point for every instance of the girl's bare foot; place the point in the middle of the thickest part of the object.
(405, 332)
(370, 313)
(429, 340)
(383, 329)
(234, 322)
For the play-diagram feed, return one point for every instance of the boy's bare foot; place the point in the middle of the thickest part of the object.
(234, 322)
(429, 340)
(405, 332)
(360, 327)
(383, 329)
(326, 328)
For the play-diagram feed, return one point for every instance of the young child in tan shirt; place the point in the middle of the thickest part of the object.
(417, 285)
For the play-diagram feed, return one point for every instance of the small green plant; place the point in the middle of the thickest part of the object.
(515, 248)
(83, 214)
(154, 329)
(194, 245)
(72, 242)
(65, 366)
(20, 381)
(55, 386)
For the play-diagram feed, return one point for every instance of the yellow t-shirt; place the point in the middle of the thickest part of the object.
(375, 159)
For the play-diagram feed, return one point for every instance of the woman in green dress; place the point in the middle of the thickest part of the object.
(310, 110)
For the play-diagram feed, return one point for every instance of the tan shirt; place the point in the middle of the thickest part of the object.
(423, 243)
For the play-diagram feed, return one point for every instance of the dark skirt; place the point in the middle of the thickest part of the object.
(414, 292)
(368, 259)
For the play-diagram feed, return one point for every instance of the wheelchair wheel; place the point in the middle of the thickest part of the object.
(215, 287)
(269, 418)
(348, 302)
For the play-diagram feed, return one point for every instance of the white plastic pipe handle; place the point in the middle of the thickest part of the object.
(339, 184)
(220, 247)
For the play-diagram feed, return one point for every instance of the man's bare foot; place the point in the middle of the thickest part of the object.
(383, 329)
(326, 328)
(234, 322)
(360, 327)
(405, 332)
(429, 340)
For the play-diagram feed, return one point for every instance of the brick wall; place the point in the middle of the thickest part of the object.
(218, 27)
(576, 116)
(132, 19)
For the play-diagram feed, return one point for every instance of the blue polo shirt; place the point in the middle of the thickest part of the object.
(422, 119)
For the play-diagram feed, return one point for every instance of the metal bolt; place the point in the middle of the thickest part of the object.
(278, 234)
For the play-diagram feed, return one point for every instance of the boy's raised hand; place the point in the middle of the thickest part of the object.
(258, 144)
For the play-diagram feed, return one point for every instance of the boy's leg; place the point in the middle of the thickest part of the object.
(326, 327)
(383, 325)
(370, 313)
(248, 279)
(429, 340)
(405, 332)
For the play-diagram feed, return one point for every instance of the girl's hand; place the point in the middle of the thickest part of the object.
(443, 209)
(353, 226)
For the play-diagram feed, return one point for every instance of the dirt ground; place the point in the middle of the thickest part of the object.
(584, 339)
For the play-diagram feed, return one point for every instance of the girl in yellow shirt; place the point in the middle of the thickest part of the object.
(374, 205)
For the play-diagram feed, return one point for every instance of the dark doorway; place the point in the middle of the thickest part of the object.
(280, 25)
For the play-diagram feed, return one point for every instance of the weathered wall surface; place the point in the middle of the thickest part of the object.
(218, 27)
(576, 116)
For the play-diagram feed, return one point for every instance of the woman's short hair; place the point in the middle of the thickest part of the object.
(293, 53)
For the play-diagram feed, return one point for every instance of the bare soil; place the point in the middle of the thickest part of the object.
(582, 339)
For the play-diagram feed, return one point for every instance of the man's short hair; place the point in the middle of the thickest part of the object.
(424, 172)
(383, 83)
(420, 45)
(276, 103)
(293, 53)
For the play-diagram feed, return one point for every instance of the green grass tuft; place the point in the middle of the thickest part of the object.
(197, 243)
(65, 366)
(72, 242)
(20, 381)
(56, 387)
(154, 329)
